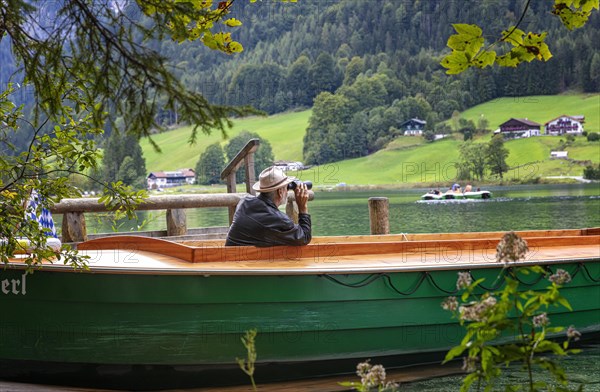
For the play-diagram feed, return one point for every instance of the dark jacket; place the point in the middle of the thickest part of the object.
(258, 222)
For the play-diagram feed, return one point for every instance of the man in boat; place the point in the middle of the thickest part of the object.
(257, 220)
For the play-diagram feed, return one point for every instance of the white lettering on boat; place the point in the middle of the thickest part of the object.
(14, 286)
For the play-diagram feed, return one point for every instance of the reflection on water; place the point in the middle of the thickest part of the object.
(511, 208)
(583, 368)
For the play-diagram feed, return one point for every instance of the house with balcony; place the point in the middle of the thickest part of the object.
(166, 179)
(517, 128)
(413, 127)
(565, 125)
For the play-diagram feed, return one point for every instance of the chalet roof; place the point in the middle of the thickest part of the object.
(171, 174)
(579, 118)
(418, 121)
(525, 121)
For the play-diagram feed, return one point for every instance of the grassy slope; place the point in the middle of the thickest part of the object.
(540, 109)
(283, 131)
(407, 159)
(429, 163)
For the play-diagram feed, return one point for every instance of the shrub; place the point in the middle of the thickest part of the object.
(511, 311)
(591, 172)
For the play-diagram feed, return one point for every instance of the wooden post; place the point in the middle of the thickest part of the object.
(176, 222)
(291, 209)
(250, 176)
(379, 215)
(73, 227)
(245, 155)
(231, 189)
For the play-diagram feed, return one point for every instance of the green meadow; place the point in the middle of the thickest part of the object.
(540, 109)
(435, 163)
(284, 132)
(408, 160)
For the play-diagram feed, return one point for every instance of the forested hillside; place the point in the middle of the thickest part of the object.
(368, 65)
(294, 51)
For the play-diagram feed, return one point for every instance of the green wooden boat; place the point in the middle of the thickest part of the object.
(154, 314)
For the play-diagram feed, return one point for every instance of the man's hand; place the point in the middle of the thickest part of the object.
(301, 193)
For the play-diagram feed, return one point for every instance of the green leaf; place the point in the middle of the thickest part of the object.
(462, 42)
(565, 303)
(454, 352)
(457, 42)
(522, 54)
(485, 59)
(456, 62)
(468, 381)
(233, 22)
(520, 306)
(513, 36)
(465, 296)
(468, 29)
(235, 47)
(348, 384)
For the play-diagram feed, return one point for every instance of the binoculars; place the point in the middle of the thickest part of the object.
(292, 185)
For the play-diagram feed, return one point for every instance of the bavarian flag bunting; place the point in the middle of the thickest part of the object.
(44, 218)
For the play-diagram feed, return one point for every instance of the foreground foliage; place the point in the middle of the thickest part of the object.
(468, 44)
(85, 64)
(41, 172)
(372, 378)
(247, 364)
(512, 326)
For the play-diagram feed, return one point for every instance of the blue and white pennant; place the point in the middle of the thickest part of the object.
(44, 219)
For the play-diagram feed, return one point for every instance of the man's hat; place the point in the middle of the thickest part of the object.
(272, 178)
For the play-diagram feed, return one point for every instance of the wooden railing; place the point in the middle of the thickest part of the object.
(74, 227)
(245, 155)
(73, 210)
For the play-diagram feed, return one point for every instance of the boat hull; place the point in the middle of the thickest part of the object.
(195, 321)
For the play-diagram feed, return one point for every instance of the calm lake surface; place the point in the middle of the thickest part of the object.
(583, 368)
(524, 207)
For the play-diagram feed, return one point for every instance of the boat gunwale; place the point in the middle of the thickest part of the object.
(295, 271)
(317, 258)
(317, 251)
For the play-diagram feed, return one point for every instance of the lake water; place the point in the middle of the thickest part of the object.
(525, 207)
(583, 368)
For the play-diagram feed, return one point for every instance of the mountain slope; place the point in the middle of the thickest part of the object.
(539, 108)
(284, 131)
(407, 159)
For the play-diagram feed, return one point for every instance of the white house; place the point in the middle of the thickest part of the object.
(516, 128)
(287, 166)
(413, 127)
(559, 154)
(565, 125)
(164, 179)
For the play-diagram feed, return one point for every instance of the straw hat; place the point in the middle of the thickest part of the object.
(270, 179)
